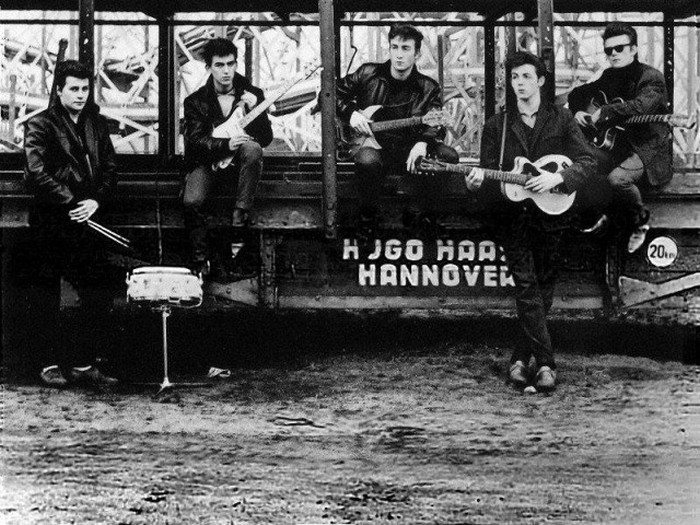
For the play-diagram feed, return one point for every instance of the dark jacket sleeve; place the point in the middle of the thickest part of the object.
(580, 97)
(46, 186)
(260, 129)
(651, 97)
(583, 165)
(346, 93)
(199, 144)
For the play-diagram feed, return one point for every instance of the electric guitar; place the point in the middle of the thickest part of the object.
(553, 202)
(236, 123)
(606, 138)
(349, 140)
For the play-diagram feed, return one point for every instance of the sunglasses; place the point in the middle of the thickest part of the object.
(616, 49)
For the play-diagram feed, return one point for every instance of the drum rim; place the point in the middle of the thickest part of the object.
(179, 270)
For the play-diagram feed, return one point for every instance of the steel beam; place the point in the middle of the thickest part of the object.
(669, 49)
(168, 122)
(545, 32)
(489, 69)
(326, 11)
(86, 33)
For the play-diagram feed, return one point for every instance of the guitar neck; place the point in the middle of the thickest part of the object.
(262, 107)
(502, 176)
(642, 119)
(386, 125)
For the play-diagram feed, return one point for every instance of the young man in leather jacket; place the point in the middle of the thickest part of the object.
(70, 168)
(642, 153)
(205, 109)
(403, 92)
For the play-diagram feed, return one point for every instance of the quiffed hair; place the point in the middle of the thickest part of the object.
(70, 68)
(522, 58)
(619, 29)
(406, 32)
(219, 47)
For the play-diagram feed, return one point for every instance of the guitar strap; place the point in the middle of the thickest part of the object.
(503, 141)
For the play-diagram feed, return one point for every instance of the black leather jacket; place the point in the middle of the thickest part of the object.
(203, 113)
(368, 86)
(58, 169)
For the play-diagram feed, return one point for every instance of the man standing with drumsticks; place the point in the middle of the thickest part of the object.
(70, 168)
(205, 109)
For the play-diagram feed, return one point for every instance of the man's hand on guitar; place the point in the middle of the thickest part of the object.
(420, 149)
(585, 120)
(249, 100)
(475, 179)
(361, 124)
(235, 142)
(545, 181)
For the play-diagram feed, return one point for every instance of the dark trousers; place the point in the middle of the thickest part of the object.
(532, 254)
(70, 252)
(203, 183)
(372, 165)
(623, 175)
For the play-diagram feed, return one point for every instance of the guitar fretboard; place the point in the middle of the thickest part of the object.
(644, 119)
(386, 125)
(502, 176)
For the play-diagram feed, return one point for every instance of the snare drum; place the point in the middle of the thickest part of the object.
(164, 285)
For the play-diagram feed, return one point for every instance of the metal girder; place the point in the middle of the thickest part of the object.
(489, 69)
(168, 122)
(328, 102)
(634, 291)
(545, 33)
(669, 49)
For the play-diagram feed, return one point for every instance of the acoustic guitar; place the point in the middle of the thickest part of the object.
(553, 202)
(606, 138)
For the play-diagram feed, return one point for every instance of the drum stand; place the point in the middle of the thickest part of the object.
(166, 387)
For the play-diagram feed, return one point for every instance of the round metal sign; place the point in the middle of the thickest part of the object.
(662, 251)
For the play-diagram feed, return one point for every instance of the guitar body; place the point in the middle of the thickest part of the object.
(607, 138)
(349, 141)
(230, 128)
(552, 202)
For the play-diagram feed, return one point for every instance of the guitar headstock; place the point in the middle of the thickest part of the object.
(436, 117)
(311, 68)
(428, 165)
(682, 121)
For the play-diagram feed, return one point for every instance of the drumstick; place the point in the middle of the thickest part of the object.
(112, 236)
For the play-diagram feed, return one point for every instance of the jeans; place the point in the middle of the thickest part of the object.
(372, 165)
(70, 251)
(624, 180)
(202, 183)
(532, 253)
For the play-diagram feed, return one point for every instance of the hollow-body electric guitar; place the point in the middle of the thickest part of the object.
(553, 202)
(606, 138)
(236, 123)
(349, 141)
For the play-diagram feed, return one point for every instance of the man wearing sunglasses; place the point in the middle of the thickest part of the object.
(642, 153)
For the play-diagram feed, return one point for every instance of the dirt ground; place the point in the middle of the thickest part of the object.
(424, 434)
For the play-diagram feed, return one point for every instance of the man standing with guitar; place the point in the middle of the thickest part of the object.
(402, 92)
(627, 89)
(530, 237)
(205, 109)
